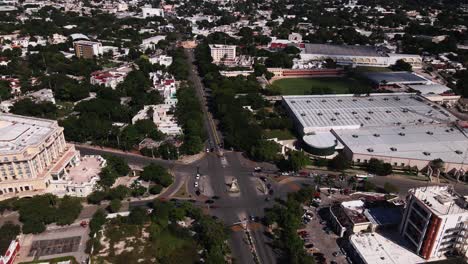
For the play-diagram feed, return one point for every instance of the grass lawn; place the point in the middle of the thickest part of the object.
(279, 134)
(323, 85)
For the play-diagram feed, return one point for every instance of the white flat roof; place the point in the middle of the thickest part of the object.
(440, 200)
(424, 142)
(430, 88)
(321, 112)
(18, 132)
(377, 249)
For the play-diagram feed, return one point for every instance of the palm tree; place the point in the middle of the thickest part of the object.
(438, 166)
(318, 181)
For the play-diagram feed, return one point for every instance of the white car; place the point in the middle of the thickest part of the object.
(197, 177)
(196, 184)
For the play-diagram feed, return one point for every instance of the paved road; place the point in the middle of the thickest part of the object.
(221, 171)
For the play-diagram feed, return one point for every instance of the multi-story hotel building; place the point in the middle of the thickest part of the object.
(87, 49)
(435, 221)
(223, 53)
(34, 158)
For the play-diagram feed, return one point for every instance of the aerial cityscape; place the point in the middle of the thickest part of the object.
(233, 131)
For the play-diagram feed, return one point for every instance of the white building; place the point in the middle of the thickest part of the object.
(165, 121)
(399, 128)
(79, 180)
(295, 37)
(355, 55)
(87, 49)
(435, 221)
(152, 12)
(222, 53)
(373, 248)
(110, 77)
(162, 60)
(149, 43)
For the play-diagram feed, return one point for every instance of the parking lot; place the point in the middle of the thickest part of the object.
(320, 240)
(55, 242)
(48, 247)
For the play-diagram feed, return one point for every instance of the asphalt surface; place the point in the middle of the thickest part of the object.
(221, 171)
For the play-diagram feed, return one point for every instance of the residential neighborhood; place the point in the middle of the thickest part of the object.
(226, 131)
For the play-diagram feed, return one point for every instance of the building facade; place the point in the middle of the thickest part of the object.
(356, 55)
(221, 53)
(33, 155)
(435, 221)
(87, 49)
(152, 12)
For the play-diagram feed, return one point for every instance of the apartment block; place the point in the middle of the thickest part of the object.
(435, 221)
(221, 53)
(87, 49)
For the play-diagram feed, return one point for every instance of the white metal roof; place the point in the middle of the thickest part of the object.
(325, 112)
(424, 142)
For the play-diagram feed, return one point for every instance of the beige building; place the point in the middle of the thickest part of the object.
(222, 53)
(87, 49)
(33, 156)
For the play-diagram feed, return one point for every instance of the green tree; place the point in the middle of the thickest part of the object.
(96, 197)
(97, 221)
(5, 91)
(137, 216)
(68, 210)
(155, 189)
(298, 160)
(115, 205)
(265, 150)
(8, 232)
(28, 107)
(401, 65)
(339, 163)
(119, 192)
(157, 174)
(118, 164)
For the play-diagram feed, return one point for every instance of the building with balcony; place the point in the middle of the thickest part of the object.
(34, 156)
(223, 53)
(87, 49)
(435, 222)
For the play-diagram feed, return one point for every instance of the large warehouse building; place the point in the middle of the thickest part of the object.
(356, 55)
(399, 128)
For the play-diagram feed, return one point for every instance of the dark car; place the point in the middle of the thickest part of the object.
(270, 192)
(309, 245)
(215, 197)
(209, 201)
(263, 178)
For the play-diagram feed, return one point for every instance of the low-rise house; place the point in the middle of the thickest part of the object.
(110, 77)
(162, 116)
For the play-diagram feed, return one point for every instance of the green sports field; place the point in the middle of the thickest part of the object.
(323, 85)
